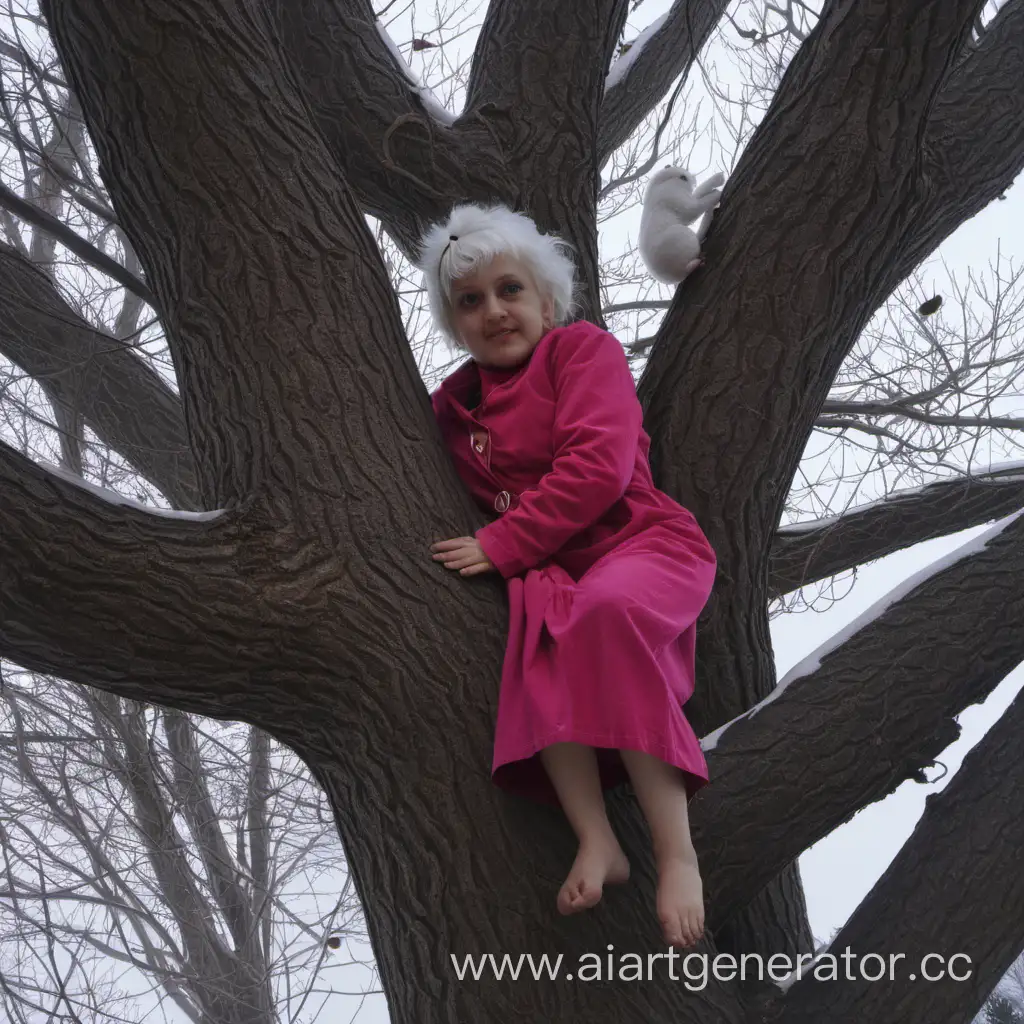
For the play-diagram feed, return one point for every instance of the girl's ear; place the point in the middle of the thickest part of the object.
(547, 312)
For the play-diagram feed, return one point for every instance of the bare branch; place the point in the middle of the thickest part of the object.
(398, 149)
(899, 409)
(75, 243)
(95, 376)
(239, 992)
(60, 539)
(954, 888)
(974, 144)
(196, 805)
(662, 56)
(296, 321)
(809, 552)
(871, 708)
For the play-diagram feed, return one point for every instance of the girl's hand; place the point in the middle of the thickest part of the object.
(462, 553)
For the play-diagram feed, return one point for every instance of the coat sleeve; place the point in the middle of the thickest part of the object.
(596, 432)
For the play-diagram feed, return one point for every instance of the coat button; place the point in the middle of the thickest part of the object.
(479, 442)
(502, 501)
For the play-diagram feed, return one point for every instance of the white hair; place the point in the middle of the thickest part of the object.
(474, 235)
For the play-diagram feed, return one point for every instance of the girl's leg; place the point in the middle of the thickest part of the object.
(572, 768)
(662, 794)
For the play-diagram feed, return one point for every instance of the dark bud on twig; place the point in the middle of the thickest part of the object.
(931, 306)
(422, 44)
(334, 942)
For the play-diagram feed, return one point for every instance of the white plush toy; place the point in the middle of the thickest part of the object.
(668, 245)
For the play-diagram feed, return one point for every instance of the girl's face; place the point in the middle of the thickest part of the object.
(500, 313)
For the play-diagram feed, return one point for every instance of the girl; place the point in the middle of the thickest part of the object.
(606, 574)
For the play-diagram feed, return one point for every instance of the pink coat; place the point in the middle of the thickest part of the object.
(606, 574)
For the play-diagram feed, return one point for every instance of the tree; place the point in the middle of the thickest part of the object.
(241, 145)
(139, 840)
(1002, 1010)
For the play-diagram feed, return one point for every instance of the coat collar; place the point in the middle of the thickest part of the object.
(464, 382)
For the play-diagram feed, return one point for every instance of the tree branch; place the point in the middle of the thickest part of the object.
(545, 112)
(196, 805)
(509, 73)
(809, 552)
(96, 376)
(954, 888)
(273, 291)
(903, 410)
(401, 154)
(17, 54)
(228, 986)
(869, 709)
(736, 379)
(73, 242)
(156, 586)
(973, 147)
(258, 830)
(643, 78)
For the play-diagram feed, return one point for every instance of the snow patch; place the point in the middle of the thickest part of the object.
(119, 499)
(622, 64)
(437, 110)
(813, 661)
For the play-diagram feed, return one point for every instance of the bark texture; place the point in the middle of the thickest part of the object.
(814, 551)
(977, 825)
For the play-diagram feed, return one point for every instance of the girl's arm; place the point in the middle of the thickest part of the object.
(595, 436)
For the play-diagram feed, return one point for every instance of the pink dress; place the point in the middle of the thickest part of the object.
(606, 575)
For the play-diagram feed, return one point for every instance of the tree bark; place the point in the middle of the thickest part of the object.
(939, 896)
(809, 552)
(851, 723)
(852, 104)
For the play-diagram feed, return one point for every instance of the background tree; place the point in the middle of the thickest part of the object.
(241, 147)
(1000, 1009)
(149, 862)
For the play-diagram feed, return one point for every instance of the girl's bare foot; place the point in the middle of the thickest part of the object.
(680, 900)
(598, 863)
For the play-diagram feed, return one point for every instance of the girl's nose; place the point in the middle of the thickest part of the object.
(493, 307)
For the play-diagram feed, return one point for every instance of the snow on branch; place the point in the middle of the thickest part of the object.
(90, 579)
(644, 73)
(870, 708)
(628, 58)
(437, 110)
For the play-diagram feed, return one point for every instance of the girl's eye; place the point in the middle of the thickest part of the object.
(467, 299)
(512, 284)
